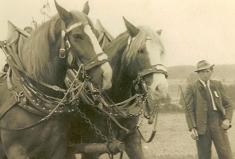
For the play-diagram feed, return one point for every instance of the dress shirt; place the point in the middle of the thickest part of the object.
(208, 83)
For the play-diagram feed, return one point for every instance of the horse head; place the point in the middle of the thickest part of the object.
(138, 61)
(66, 41)
(78, 33)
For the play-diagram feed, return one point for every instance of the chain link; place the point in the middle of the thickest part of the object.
(97, 131)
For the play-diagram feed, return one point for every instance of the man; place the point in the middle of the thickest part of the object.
(208, 111)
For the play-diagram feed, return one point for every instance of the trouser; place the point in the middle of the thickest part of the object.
(215, 133)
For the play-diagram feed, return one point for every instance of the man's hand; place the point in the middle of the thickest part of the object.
(225, 124)
(194, 134)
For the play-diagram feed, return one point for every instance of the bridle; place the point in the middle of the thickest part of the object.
(117, 110)
(66, 50)
(140, 85)
(139, 81)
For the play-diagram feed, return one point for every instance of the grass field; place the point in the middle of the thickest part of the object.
(172, 140)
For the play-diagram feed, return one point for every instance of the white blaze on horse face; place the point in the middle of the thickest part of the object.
(159, 87)
(94, 40)
(107, 75)
(154, 52)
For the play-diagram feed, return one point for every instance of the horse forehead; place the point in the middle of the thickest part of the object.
(88, 31)
(87, 28)
(154, 51)
(78, 17)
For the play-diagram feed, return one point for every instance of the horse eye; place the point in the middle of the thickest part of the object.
(77, 36)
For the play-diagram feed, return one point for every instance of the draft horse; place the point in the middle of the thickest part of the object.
(35, 104)
(139, 83)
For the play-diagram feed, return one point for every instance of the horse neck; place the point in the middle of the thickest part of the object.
(121, 89)
(121, 84)
(39, 55)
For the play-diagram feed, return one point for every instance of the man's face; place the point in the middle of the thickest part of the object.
(205, 74)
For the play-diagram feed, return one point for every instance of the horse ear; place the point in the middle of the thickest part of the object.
(159, 32)
(133, 31)
(64, 14)
(86, 8)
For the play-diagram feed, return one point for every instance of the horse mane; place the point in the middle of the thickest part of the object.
(144, 33)
(36, 52)
(118, 43)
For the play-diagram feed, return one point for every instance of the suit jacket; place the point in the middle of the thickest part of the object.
(196, 104)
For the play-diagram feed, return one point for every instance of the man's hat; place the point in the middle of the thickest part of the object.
(202, 65)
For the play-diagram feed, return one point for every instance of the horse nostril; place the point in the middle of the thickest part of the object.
(157, 88)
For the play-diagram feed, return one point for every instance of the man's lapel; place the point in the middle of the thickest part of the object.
(201, 89)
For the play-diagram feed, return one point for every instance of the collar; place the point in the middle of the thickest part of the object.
(203, 83)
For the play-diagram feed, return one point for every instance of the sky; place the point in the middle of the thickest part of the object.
(192, 30)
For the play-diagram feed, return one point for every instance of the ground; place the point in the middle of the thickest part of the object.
(172, 140)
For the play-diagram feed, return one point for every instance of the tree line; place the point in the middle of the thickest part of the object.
(220, 72)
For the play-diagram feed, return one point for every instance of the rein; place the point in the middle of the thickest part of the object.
(154, 129)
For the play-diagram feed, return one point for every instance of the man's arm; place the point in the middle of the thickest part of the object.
(226, 102)
(189, 107)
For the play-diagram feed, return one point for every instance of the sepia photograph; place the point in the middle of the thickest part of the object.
(115, 79)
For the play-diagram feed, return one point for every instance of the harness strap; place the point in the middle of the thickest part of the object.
(73, 26)
(153, 131)
(54, 87)
(116, 122)
(62, 53)
(151, 137)
(9, 82)
(159, 68)
(7, 106)
(13, 60)
(95, 62)
(14, 56)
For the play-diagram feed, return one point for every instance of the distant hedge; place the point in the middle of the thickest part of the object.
(168, 106)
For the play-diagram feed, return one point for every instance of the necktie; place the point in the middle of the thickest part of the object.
(209, 100)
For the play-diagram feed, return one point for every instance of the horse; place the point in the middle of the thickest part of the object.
(139, 83)
(35, 104)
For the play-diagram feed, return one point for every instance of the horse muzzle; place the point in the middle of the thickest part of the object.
(107, 76)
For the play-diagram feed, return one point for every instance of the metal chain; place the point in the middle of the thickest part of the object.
(87, 120)
(142, 114)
